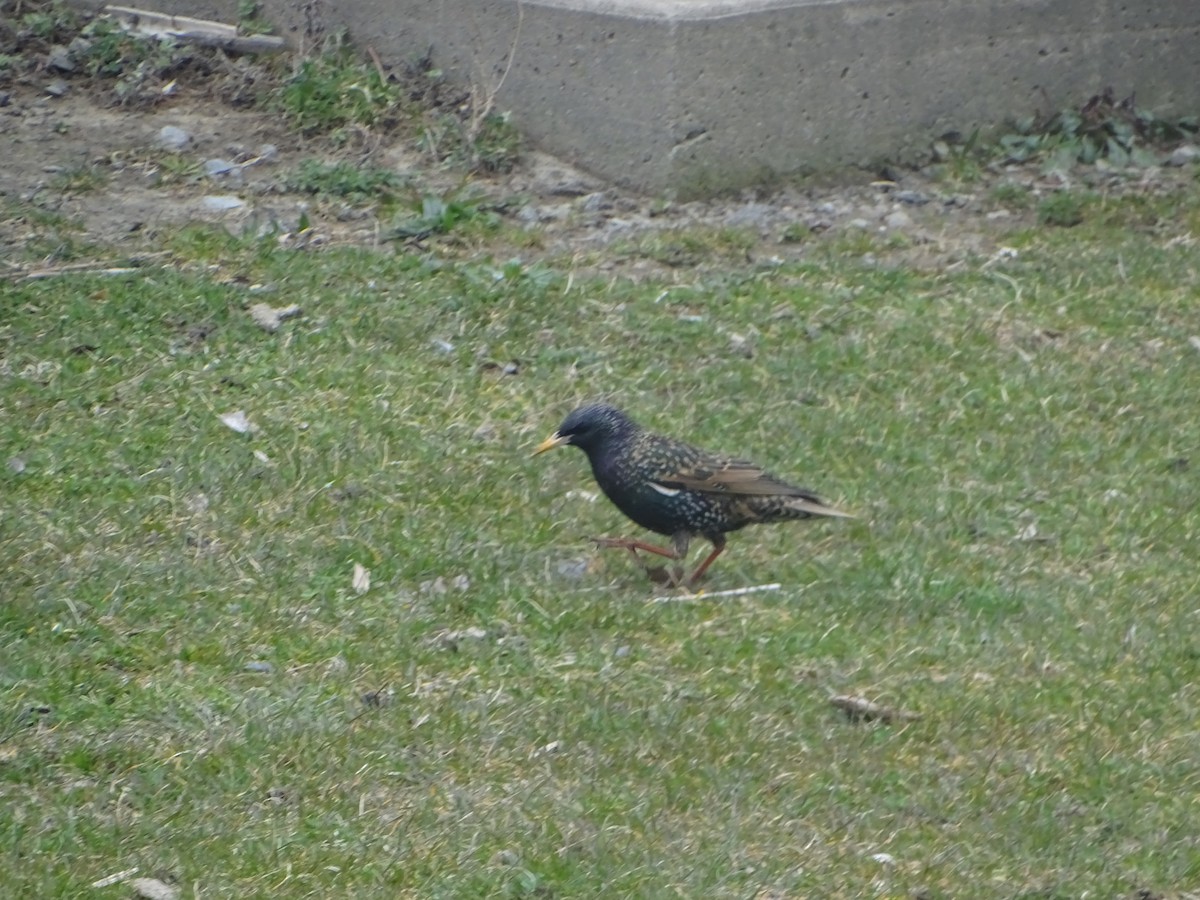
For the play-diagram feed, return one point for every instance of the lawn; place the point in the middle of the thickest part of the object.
(197, 686)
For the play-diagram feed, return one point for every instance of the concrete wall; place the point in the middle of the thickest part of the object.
(700, 96)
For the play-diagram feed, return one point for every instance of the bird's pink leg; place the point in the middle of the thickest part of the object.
(633, 546)
(718, 546)
(679, 547)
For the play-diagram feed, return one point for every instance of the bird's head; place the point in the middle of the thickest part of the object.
(589, 428)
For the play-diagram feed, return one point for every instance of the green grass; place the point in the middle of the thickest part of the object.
(343, 179)
(194, 688)
(79, 179)
(1064, 209)
(333, 92)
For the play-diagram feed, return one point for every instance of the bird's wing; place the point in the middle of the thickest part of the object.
(744, 479)
(718, 475)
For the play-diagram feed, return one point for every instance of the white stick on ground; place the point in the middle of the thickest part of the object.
(734, 592)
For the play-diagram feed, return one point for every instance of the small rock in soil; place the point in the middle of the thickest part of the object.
(171, 137)
(215, 167)
(223, 202)
(594, 203)
(59, 58)
(753, 215)
(1184, 154)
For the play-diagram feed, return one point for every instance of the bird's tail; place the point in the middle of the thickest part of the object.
(814, 506)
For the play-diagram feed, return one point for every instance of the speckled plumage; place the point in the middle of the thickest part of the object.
(675, 489)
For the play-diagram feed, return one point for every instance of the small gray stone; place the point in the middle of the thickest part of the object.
(260, 666)
(172, 138)
(753, 215)
(912, 198)
(223, 202)
(57, 88)
(898, 220)
(1183, 155)
(59, 58)
(529, 214)
(596, 202)
(215, 167)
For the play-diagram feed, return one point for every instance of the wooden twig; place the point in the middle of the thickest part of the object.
(90, 267)
(371, 52)
(482, 108)
(186, 30)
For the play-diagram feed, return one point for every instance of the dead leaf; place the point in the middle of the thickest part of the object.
(742, 345)
(441, 585)
(269, 318)
(1031, 534)
(362, 579)
(454, 640)
(860, 709)
(153, 889)
(238, 421)
(512, 367)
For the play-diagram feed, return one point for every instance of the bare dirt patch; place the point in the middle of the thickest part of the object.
(70, 152)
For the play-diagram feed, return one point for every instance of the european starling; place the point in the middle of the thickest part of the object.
(674, 489)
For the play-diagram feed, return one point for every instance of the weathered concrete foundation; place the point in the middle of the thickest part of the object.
(695, 97)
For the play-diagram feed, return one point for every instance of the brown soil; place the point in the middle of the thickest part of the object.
(67, 149)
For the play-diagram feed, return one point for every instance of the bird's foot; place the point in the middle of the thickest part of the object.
(666, 575)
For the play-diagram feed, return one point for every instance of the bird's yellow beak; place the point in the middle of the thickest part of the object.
(555, 440)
